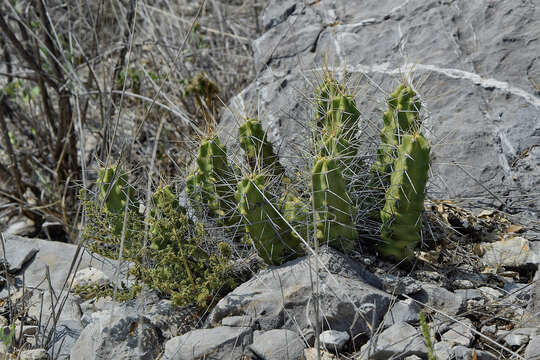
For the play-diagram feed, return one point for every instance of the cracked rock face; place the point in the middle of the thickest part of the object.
(475, 66)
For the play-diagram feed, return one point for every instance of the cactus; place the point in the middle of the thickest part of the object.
(332, 205)
(114, 189)
(113, 193)
(258, 150)
(324, 95)
(211, 182)
(401, 215)
(298, 214)
(269, 232)
(401, 118)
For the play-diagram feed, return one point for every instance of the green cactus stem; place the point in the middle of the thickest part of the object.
(258, 150)
(298, 214)
(269, 232)
(332, 205)
(213, 181)
(114, 189)
(324, 96)
(402, 117)
(401, 215)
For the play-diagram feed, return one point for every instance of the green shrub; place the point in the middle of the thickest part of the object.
(176, 262)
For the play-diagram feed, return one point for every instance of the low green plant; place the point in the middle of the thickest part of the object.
(424, 326)
(177, 261)
(7, 336)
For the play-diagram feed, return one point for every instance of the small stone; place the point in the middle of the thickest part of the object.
(237, 321)
(402, 311)
(334, 340)
(400, 285)
(278, 344)
(442, 350)
(35, 354)
(440, 299)
(460, 333)
(400, 339)
(90, 276)
(513, 252)
(412, 357)
(490, 293)
(516, 339)
(489, 329)
(463, 284)
(464, 353)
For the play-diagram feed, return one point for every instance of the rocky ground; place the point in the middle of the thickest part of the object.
(475, 279)
(484, 302)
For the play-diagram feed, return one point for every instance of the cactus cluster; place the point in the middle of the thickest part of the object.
(278, 225)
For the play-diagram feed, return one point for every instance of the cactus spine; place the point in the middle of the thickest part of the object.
(270, 233)
(332, 205)
(258, 150)
(401, 215)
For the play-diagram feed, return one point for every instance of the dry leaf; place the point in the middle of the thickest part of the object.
(513, 228)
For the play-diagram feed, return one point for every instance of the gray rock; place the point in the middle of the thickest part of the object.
(531, 319)
(16, 256)
(489, 329)
(442, 350)
(464, 353)
(460, 333)
(117, 334)
(223, 343)
(278, 344)
(281, 297)
(402, 311)
(413, 357)
(380, 42)
(334, 340)
(400, 285)
(469, 294)
(514, 252)
(440, 299)
(237, 321)
(398, 341)
(532, 351)
(90, 276)
(516, 339)
(490, 294)
(463, 284)
(35, 354)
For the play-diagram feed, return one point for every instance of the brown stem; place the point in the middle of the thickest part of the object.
(15, 172)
